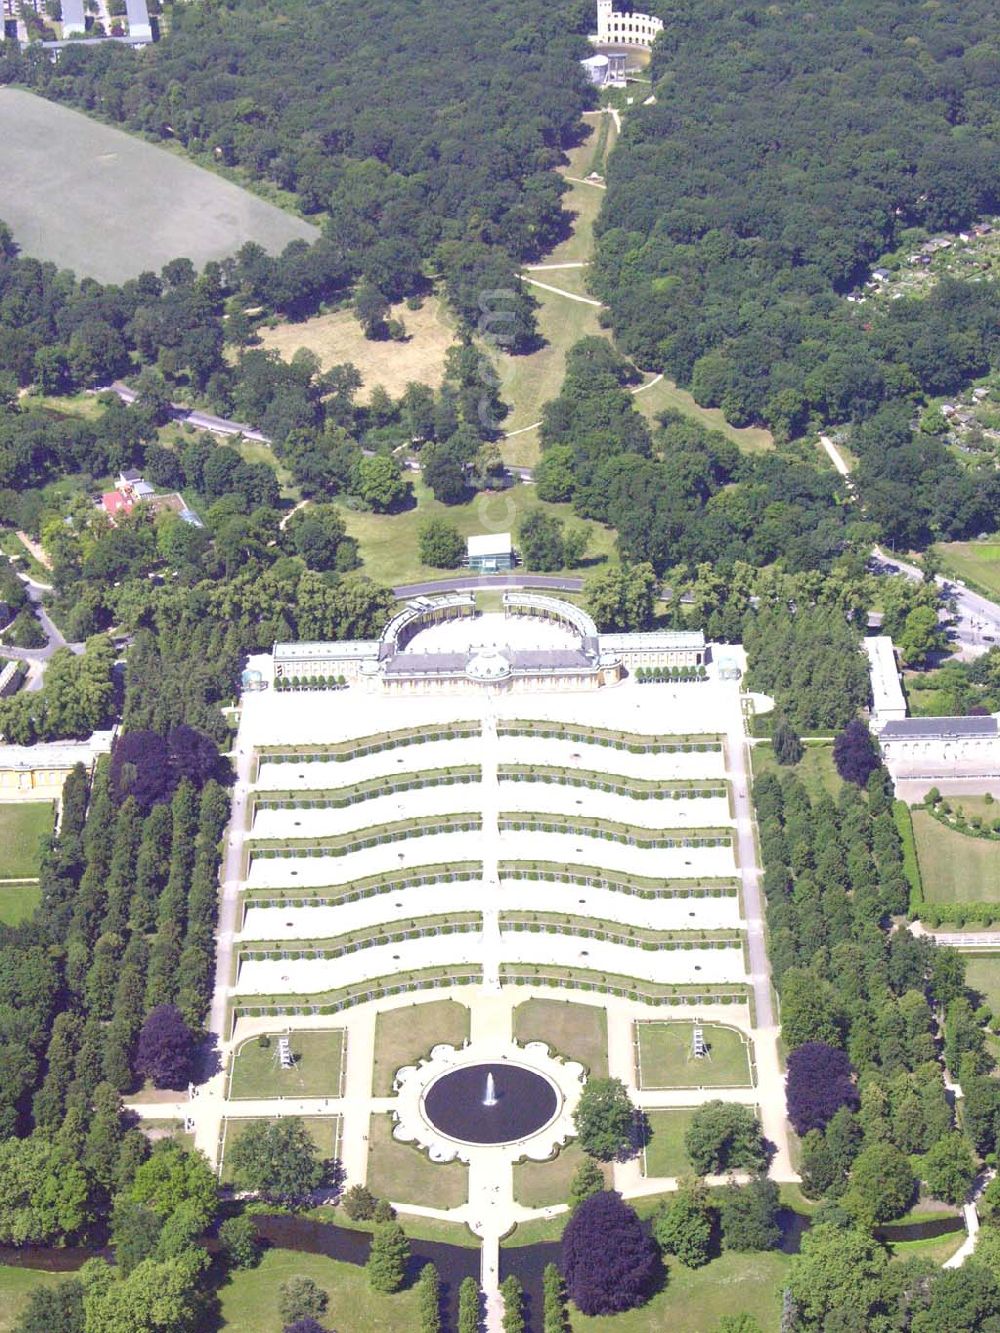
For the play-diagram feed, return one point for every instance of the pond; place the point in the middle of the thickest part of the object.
(490, 1104)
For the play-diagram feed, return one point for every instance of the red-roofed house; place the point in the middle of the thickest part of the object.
(114, 503)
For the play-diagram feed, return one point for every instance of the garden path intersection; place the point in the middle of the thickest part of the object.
(609, 865)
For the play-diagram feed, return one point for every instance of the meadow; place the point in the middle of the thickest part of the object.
(109, 206)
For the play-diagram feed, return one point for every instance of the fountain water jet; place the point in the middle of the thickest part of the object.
(491, 1096)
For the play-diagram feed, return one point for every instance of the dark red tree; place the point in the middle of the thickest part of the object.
(306, 1325)
(609, 1262)
(855, 753)
(819, 1083)
(140, 767)
(166, 1048)
(193, 755)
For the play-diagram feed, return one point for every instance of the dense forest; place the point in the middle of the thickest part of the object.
(788, 149)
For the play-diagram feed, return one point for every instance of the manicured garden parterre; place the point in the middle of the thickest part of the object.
(664, 1057)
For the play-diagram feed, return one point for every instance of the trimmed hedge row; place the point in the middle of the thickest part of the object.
(310, 683)
(628, 988)
(591, 878)
(381, 833)
(609, 831)
(342, 751)
(616, 740)
(911, 864)
(680, 674)
(363, 993)
(959, 914)
(636, 789)
(367, 791)
(362, 940)
(461, 873)
(649, 940)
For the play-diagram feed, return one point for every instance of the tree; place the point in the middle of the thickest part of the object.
(786, 743)
(605, 1119)
(429, 1299)
(359, 1203)
(276, 1159)
(239, 1242)
(441, 545)
(724, 1136)
(513, 1305)
(921, 635)
(623, 597)
(371, 308)
(171, 1177)
(608, 1261)
(553, 1301)
(588, 1179)
(444, 472)
(540, 541)
(965, 1300)
(300, 1298)
(880, 1185)
(683, 1225)
(837, 1269)
(43, 1193)
(949, 1168)
(306, 1325)
(819, 1082)
(468, 1306)
(380, 484)
(318, 535)
(135, 1233)
(153, 1298)
(165, 1052)
(749, 1215)
(57, 1309)
(388, 1257)
(855, 753)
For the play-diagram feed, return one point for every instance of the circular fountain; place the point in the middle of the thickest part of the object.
(490, 1104)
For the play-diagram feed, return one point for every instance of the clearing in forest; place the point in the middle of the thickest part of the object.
(337, 338)
(109, 206)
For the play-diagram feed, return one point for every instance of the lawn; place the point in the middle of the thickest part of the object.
(694, 1300)
(815, 770)
(982, 974)
(18, 901)
(22, 827)
(954, 866)
(539, 1184)
(403, 1173)
(664, 1154)
(109, 206)
(405, 1036)
(527, 383)
(337, 337)
(16, 1285)
(389, 542)
(577, 1031)
(318, 1070)
(324, 1131)
(250, 1298)
(666, 394)
(976, 562)
(583, 203)
(665, 1060)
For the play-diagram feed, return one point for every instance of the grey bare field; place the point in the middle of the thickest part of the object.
(109, 206)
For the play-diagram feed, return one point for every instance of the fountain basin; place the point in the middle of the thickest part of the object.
(526, 1102)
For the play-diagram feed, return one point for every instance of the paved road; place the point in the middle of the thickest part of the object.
(223, 426)
(200, 420)
(977, 619)
(475, 581)
(54, 636)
